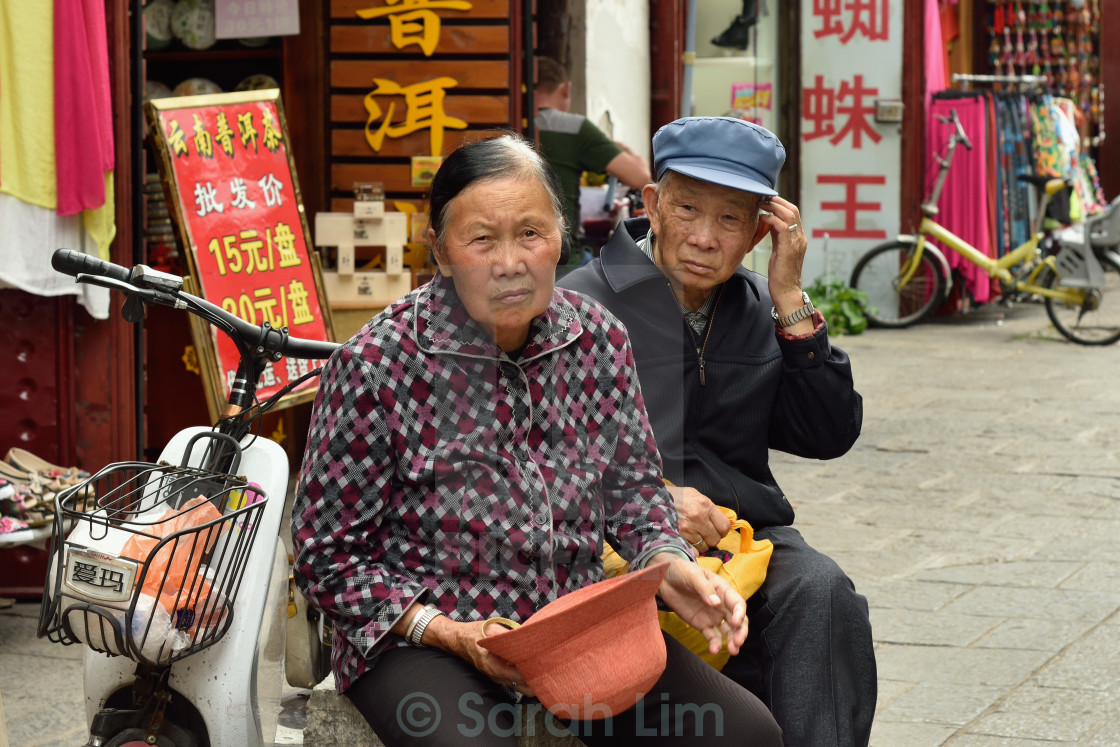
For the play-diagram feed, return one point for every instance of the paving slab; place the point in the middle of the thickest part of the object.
(895, 733)
(958, 664)
(1090, 663)
(940, 703)
(910, 594)
(1094, 575)
(1036, 634)
(1049, 604)
(938, 628)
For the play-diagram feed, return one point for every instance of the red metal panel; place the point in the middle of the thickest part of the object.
(36, 401)
(914, 123)
(667, 26)
(36, 339)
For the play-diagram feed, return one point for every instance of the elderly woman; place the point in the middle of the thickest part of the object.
(471, 449)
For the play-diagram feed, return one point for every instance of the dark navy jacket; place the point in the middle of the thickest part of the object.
(762, 391)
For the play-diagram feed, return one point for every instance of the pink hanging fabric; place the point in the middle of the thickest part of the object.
(934, 52)
(964, 206)
(83, 120)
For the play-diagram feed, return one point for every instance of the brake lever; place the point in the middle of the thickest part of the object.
(135, 295)
(106, 282)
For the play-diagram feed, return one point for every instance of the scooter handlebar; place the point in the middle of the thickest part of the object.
(70, 262)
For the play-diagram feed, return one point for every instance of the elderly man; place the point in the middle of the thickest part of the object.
(732, 364)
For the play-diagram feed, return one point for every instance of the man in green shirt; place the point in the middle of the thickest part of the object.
(573, 145)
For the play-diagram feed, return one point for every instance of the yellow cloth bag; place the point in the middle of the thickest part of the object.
(745, 570)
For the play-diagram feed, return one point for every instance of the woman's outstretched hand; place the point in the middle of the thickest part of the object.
(705, 601)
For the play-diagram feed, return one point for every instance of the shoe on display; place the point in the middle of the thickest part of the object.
(9, 524)
(28, 462)
(737, 35)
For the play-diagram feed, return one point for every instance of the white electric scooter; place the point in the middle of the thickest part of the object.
(172, 574)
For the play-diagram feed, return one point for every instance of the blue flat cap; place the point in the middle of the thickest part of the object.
(721, 150)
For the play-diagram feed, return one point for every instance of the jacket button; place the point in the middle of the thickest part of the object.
(541, 519)
(812, 356)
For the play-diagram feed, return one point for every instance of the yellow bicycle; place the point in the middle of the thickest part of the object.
(906, 278)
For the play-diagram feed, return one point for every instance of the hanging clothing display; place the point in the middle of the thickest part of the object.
(1059, 40)
(935, 62)
(27, 103)
(1012, 134)
(24, 230)
(963, 209)
(47, 101)
(83, 118)
(1013, 150)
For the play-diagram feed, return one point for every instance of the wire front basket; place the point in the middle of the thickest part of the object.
(147, 560)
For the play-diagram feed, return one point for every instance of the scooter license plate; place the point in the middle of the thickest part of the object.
(98, 575)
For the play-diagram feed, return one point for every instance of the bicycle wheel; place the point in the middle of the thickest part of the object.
(1096, 320)
(889, 302)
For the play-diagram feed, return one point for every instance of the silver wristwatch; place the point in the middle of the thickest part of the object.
(804, 312)
(415, 632)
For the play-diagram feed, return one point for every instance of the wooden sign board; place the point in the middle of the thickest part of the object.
(226, 164)
(416, 80)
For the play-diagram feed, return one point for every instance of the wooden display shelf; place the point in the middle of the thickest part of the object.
(190, 55)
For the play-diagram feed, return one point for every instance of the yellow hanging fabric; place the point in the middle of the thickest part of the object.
(101, 224)
(27, 164)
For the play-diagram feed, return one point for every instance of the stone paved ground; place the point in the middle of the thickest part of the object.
(979, 513)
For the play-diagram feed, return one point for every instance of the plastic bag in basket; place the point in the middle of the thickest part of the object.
(151, 626)
(180, 559)
(198, 605)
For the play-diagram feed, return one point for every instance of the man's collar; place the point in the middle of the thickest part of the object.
(442, 325)
(625, 264)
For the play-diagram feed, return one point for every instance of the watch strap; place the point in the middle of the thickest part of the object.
(420, 622)
(804, 312)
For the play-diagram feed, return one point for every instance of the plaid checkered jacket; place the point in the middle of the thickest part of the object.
(439, 469)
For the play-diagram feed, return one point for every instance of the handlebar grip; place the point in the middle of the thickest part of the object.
(70, 262)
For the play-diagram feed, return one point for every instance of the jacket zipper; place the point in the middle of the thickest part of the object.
(700, 348)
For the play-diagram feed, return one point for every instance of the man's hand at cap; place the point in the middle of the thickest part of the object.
(788, 253)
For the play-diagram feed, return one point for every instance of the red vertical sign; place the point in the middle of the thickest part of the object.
(238, 202)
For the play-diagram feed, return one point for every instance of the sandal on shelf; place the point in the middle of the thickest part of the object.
(34, 482)
(9, 524)
(36, 519)
(14, 474)
(25, 460)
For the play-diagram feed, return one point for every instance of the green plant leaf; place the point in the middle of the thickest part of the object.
(841, 305)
